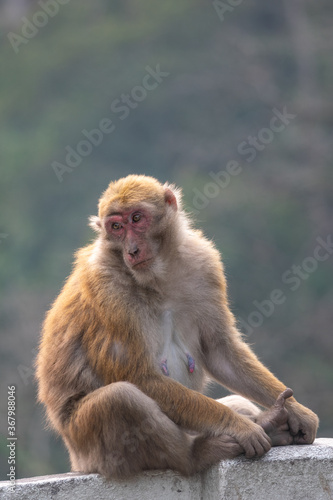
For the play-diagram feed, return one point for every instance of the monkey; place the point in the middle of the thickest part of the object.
(141, 326)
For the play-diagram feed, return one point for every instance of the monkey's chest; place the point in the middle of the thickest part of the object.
(177, 355)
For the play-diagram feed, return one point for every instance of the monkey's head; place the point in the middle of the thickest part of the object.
(138, 218)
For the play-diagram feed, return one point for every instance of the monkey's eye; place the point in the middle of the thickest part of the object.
(116, 226)
(136, 217)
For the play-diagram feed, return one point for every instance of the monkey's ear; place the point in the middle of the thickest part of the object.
(95, 223)
(170, 198)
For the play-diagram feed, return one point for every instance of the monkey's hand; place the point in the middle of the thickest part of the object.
(251, 437)
(303, 423)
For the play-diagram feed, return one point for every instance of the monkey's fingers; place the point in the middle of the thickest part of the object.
(257, 444)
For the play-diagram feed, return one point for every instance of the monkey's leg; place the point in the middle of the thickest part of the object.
(118, 431)
(274, 421)
(242, 406)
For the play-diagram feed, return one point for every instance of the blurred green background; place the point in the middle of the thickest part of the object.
(68, 65)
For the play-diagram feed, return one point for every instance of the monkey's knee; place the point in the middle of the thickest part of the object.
(242, 406)
(120, 431)
(124, 393)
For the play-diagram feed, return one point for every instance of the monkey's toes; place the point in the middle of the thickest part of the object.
(275, 420)
(281, 399)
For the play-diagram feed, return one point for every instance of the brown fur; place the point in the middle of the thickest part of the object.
(99, 364)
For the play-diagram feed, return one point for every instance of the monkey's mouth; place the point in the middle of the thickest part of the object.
(142, 264)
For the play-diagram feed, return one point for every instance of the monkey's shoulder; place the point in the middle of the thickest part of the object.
(201, 250)
(200, 265)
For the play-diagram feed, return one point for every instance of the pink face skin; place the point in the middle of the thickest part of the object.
(130, 228)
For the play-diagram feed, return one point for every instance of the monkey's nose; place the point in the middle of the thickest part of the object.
(133, 251)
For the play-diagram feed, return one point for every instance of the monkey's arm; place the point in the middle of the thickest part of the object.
(192, 410)
(232, 363)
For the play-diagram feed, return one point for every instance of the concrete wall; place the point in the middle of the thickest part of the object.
(288, 473)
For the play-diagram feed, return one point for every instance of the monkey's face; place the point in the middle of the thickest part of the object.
(137, 219)
(131, 231)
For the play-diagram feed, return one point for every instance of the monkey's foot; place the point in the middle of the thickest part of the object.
(275, 421)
